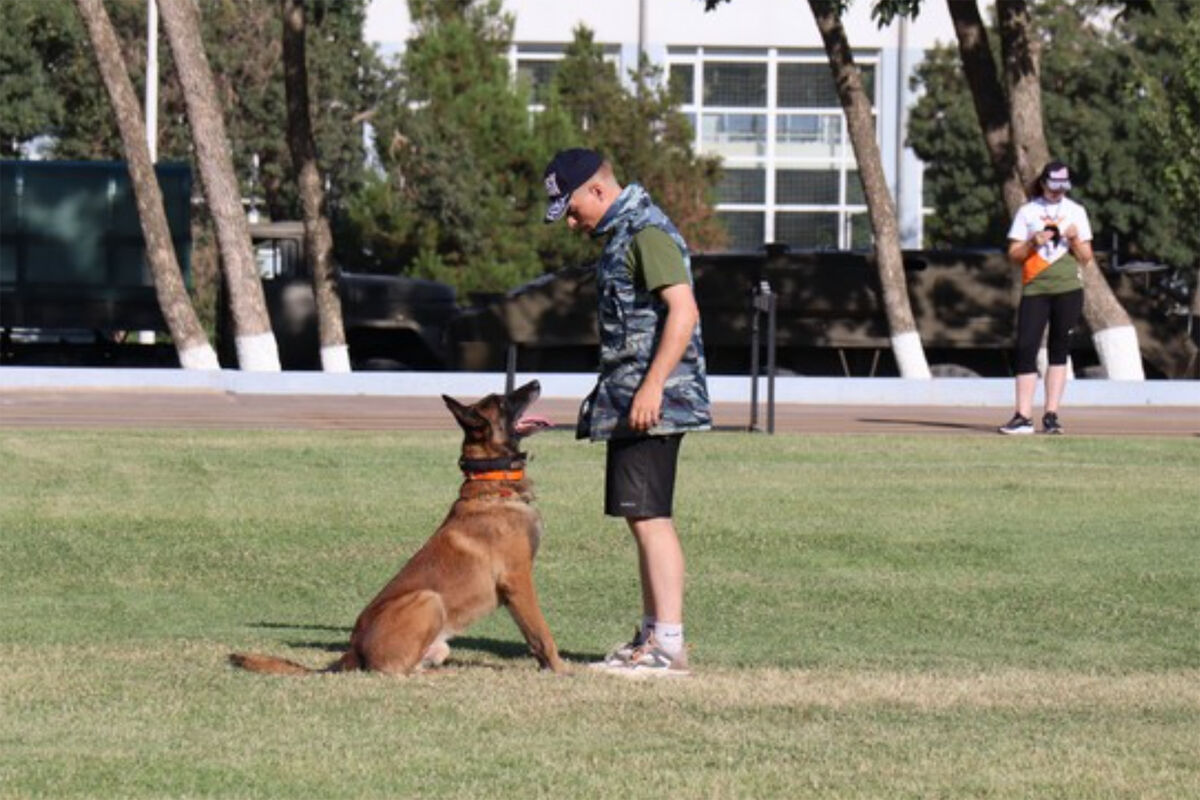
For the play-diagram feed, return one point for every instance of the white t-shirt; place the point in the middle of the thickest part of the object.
(1034, 216)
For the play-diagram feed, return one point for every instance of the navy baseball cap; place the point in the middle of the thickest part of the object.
(568, 170)
(1056, 177)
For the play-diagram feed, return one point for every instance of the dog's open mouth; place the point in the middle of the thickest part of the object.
(530, 424)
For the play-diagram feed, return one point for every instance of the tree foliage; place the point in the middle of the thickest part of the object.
(36, 41)
(460, 195)
(462, 199)
(459, 200)
(242, 43)
(1095, 108)
(1169, 95)
(642, 132)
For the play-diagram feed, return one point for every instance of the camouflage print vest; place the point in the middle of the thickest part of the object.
(631, 322)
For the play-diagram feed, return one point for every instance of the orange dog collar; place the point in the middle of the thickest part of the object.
(496, 475)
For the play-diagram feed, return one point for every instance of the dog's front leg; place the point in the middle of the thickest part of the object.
(519, 595)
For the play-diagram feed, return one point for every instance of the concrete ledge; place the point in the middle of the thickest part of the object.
(723, 388)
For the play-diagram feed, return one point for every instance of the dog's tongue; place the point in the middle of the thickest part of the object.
(531, 423)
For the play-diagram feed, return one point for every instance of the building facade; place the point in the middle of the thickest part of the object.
(753, 78)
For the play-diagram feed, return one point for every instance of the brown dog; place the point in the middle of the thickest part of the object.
(480, 557)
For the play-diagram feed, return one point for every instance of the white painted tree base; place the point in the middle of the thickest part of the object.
(910, 355)
(1119, 353)
(202, 357)
(335, 358)
(258, 353)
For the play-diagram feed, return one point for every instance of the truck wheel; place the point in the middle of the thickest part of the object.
(952, 371)
(380, 365)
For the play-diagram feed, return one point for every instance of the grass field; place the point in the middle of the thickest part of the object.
(870, 616)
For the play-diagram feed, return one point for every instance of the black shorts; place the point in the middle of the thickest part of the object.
(639, 476)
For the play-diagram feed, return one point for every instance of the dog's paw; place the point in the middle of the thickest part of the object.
(436, 654)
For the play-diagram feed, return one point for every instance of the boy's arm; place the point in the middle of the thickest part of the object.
(682, 317)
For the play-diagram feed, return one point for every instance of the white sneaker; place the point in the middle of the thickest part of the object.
(620, 655)
(1018, 425)
(651, 661)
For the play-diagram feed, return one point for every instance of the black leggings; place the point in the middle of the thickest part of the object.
(1062, 311)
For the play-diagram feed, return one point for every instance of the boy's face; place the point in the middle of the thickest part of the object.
(587, 207)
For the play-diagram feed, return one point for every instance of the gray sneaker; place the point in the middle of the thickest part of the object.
(651, 661)
(1051, 425)
(621, 655)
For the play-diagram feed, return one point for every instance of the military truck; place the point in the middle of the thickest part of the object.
(75, 287)
(830, 316)
(392, 322)
(74, 283)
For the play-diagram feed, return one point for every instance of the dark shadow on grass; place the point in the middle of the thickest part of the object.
(511, 649)
(290, 626)
(929, 423)
(329, 647)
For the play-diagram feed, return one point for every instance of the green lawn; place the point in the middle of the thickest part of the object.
(869, 616)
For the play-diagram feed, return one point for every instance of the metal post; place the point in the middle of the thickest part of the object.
(510, 376)
(754, 360)
(770, 360)
(762, 302)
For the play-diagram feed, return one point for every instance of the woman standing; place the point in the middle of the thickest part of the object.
(1050, 239)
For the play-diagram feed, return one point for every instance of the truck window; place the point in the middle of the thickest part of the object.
(278, 258)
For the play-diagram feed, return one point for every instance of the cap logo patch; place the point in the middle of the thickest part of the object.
(552, 185)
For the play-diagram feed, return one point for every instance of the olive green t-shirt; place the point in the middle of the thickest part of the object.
(655, 260)
(1061, 276)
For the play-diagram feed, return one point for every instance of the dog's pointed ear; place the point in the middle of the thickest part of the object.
(467, 417)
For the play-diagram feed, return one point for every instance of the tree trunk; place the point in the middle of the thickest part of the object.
(256, 346)
(1022, 54)
(1113, 334)
(193, 347)
(906, 342)
(987, 92)
(318, 241)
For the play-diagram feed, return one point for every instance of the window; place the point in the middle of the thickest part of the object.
(806, 86)
(733, 83)
(854, 190)
(807, 230)
(807, 187)
(733, 135)
(745, 229)
(742, 186)
(812, 86)
(860, 231)
(681, 81)
(537, 75)
(774, 118)
(810, 136)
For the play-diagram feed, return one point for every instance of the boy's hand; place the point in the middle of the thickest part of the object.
(646, 410)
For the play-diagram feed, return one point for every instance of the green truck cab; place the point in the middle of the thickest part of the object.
(73, 274)
(74, 283)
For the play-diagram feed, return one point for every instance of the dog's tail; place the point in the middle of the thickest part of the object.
(271, 665)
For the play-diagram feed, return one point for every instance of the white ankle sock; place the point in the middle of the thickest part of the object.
(669, 637)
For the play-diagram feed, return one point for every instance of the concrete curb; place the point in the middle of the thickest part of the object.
(963, 392)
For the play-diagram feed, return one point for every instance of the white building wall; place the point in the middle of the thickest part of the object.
(783, 28)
